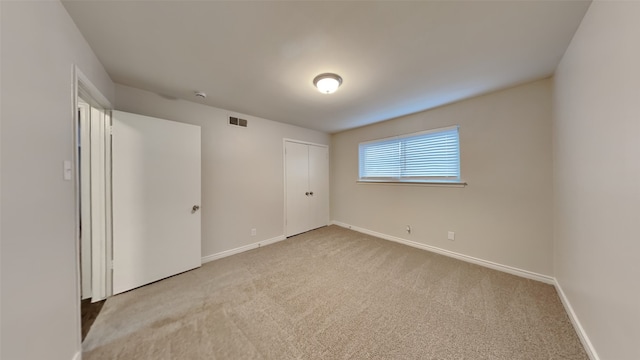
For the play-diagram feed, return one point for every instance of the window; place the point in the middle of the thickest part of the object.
(429, 156)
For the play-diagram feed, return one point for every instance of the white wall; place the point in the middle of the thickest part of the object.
(40, 44)
(242, 168)
(597, 177)
(0, 184)
(502, 216)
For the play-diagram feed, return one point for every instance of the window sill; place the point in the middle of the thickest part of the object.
(457, 184)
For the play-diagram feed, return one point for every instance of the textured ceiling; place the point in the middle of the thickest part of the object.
(260, 58)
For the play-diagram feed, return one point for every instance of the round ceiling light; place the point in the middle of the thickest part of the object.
(327, 83)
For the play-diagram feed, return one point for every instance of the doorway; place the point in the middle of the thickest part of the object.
(92, 157)
(138, 189)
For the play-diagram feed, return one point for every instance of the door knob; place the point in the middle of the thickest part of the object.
(195, 208)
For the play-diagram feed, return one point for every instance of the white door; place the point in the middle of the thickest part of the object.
(297, 191)
(318, 186)
(307, 187)
(156, 199)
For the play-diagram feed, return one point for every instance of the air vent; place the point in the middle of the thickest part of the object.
(237, 121)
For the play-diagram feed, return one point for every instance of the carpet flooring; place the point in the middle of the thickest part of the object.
(333, 293)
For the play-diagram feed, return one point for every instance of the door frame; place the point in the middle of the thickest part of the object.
(82, 87)
(284, 175)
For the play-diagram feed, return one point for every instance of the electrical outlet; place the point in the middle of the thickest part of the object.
(451, 235)
(253, 232)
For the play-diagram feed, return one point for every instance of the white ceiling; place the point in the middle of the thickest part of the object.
(259, 58)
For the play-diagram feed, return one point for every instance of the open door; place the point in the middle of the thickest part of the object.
(156, 199)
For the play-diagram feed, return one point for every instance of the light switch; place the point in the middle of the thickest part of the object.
(451, 235)
(67, 170)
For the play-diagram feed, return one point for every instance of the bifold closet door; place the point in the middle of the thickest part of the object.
(156, 199)
(318, 186)
(307, 187)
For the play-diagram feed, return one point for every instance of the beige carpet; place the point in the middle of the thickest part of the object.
(336, 294)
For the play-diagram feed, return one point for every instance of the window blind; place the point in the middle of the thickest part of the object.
(425, 156)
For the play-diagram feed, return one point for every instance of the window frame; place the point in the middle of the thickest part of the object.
(407, 180)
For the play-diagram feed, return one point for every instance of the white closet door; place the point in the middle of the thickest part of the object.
(297, 187)
(318, 186)
(307, 187)
(156, 184)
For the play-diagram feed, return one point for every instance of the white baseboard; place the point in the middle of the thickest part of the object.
(582, 335)
(492, 265)
(78, 356)
(222, 254)
(584, 339)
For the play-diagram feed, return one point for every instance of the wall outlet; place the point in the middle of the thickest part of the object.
(253, 232)
(451, 235)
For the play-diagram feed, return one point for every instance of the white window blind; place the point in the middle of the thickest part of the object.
(428, 156)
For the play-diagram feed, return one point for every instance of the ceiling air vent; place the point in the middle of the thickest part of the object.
(237, 121)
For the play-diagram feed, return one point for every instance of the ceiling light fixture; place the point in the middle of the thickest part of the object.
(327, 83)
